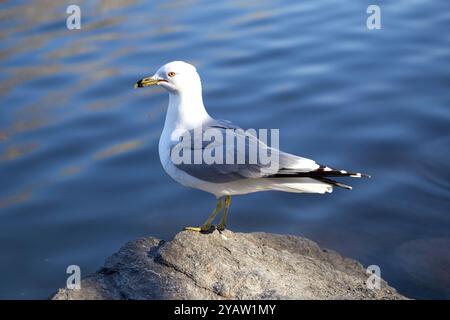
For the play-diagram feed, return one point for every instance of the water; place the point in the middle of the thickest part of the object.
(79, 168)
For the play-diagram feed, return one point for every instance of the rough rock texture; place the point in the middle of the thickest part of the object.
(227, 265)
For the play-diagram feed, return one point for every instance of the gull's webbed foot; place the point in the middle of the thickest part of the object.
(207, 226)
(220, 227)
(204, 228)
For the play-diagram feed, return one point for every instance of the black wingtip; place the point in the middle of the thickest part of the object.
(334, 183)
(321, 172)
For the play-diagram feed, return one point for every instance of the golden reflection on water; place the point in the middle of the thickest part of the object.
(3, 136)
(70, 170)
(19, 197)
(118, 149)
(16, 152)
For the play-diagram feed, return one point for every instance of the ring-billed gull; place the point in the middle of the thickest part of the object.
(186, 115)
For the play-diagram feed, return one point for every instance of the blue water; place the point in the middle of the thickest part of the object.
(79, 168)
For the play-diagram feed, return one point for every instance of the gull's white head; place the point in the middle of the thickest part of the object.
(175, 77)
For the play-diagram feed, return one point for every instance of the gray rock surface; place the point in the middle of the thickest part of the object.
(227, 265)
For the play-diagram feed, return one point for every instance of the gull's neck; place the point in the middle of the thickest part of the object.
(186, 110)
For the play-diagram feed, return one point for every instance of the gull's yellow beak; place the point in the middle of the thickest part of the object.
(146, 82)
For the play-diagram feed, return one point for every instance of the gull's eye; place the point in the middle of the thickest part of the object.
(171, 74)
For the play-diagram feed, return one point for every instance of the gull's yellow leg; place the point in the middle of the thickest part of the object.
(223, 220)
(207, 225)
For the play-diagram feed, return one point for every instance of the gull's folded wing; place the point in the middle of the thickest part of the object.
(235, 170)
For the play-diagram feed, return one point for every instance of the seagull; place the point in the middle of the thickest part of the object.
(186, 114)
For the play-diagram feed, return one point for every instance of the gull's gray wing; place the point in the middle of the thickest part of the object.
(248, 168)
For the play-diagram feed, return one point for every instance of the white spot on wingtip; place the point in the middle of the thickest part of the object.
(357, 175)
(343, 171)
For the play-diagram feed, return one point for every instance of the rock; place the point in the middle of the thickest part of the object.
(227, 265)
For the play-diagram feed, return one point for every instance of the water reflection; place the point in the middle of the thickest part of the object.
(117, 149)
(15, 152)
(15, 199)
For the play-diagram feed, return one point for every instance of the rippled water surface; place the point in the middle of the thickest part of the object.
(79, 168)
